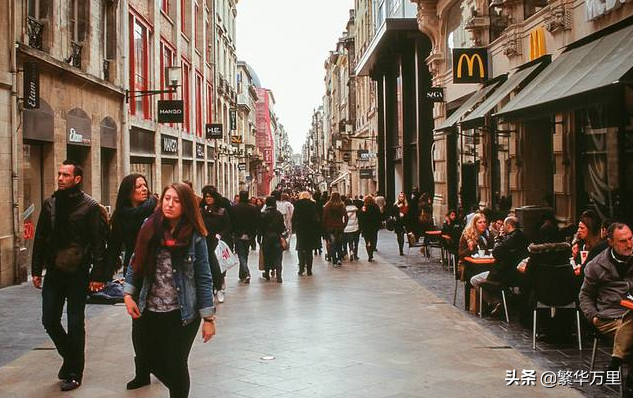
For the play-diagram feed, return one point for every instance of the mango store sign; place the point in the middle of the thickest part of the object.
(595, 9)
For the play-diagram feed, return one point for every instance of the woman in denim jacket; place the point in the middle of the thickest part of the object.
(170, 273)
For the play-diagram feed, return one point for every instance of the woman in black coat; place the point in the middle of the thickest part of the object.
(134, 203)
(370, 221)
(304, 222)
(273, 229)
(218, 225)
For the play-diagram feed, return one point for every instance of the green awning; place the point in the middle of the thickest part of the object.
(520, 78)
(581, 75)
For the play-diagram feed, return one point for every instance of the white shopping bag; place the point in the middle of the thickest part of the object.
(225, 256)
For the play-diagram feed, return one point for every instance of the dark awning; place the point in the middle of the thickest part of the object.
(577, 77)
(524, 74)
(470, 103)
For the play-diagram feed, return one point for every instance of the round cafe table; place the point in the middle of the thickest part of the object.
(472, 266)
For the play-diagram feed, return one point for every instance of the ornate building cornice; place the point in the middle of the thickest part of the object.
(559, 17)
(428, 21)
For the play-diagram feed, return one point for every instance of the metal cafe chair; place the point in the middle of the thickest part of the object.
(412, 242)
(499, 286)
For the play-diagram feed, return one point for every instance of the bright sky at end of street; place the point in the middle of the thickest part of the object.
(287, 42)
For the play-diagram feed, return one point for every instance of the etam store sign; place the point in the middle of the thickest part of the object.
(595, 9)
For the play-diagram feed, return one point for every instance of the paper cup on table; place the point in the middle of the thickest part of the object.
(583, 256)
(481, 253)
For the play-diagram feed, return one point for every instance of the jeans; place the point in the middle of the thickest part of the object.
(242, 247)
(58, 288)
(335, 244)
(350, 241)
(167, 344)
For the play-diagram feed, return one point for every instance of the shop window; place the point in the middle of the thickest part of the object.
(531, 7)
(109, 38)
(139, 67)
(186, 95)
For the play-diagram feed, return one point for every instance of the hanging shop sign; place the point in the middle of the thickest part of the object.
(435, 94)
(200, 151)
(241, 166)
(363, 155)
(366, 174)
(170, 111)
(213, 131)
(169, 145)
(236, 139)
(470, 65)
(78, 127)
(347, 156)
(233, 119)
(31, 85)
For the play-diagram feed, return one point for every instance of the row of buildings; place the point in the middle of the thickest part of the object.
(100, 67)
(493, 103)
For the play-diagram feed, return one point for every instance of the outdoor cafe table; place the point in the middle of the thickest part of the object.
(471, 267)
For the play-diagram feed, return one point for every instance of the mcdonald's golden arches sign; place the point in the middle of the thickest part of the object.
(470, 65)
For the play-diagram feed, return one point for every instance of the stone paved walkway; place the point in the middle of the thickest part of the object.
(363, 330)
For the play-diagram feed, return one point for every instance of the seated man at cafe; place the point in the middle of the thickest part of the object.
(608, 278)
(510, 248)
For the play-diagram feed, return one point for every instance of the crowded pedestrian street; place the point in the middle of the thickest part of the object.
(361, 330)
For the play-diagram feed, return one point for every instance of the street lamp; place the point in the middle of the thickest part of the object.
(172, 77)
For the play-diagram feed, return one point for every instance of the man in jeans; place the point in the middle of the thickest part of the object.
(70, 236)
(608, 278)
(245, 219)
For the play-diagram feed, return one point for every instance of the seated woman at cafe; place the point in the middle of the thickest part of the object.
(587, 237)
(453, 228)
(474, 238)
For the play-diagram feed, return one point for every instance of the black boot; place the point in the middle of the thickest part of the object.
(301, 270)
(266, 275)
(309, 270)
(142, 376)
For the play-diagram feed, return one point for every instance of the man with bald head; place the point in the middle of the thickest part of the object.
(510, 248)
(608, 279)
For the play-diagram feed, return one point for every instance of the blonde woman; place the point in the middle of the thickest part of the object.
(474, 238)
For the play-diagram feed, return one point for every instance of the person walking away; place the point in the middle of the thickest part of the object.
(319, 226)
(286, 209)
(272, 230)
(607, 281)
(304, 221)
(351, 232)
(370, 223)
(245, 222)
(218, 225)
(69, 237)
(134, 204)
(334, 222)
(400, 211)
(170, 276)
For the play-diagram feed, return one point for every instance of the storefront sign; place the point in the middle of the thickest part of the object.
(199, 151)
(31, 85)
(78, 127)
(470, 65)
(347, 156)
(236, 139)
(435, 94)
(233, 119)
(241, 166)
(169, 145)
(366, 174)
(363, 155)
(170, 111)
(595, 9)
(213, 131)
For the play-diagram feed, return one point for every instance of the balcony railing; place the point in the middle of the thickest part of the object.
(35, 31)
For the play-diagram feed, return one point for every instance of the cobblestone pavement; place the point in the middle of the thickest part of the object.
(362, 330)
(554, 357)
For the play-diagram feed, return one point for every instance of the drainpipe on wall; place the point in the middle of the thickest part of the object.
(125, 72)
(15, 205)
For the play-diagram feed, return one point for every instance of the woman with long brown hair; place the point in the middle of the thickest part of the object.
(370, 221)
(171, 277)
(334, 222)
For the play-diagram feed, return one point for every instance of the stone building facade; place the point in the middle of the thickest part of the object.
(567, 149)
(250, 155)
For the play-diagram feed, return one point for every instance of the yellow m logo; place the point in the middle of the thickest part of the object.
(470, 63)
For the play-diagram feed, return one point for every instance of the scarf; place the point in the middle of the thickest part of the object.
(66, 200)
(154, 234)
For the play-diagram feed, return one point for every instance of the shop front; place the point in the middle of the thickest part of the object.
(78, 143)
(169, 160)
(143, 156)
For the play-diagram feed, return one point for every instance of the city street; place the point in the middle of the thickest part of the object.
(363, 330)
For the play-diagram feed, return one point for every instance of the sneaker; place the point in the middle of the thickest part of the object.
(69, 384)
(220, 296)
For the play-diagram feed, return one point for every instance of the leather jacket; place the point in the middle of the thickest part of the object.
(86, 229)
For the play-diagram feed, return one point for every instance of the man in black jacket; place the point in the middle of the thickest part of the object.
(68, 239)
(510, 248)
(245, 220)
(608, 278)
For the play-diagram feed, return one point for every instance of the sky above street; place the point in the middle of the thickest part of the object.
(287, 42)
